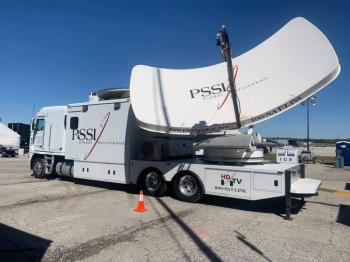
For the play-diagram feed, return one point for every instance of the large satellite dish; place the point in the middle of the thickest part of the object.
(280, 73)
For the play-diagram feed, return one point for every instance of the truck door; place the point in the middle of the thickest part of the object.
(38, 133)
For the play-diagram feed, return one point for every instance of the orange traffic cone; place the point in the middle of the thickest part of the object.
(141, 204)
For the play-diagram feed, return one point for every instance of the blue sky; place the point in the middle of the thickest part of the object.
(55, 52)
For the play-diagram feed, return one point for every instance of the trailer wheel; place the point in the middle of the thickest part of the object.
(39, 168)
(153, 183)
(187, 187)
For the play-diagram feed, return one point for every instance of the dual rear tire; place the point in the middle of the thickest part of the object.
(186, 186)
(153, 183)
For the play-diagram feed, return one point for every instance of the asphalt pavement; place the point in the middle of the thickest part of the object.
(71, 220)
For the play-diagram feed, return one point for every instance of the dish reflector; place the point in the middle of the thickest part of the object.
(290, 66)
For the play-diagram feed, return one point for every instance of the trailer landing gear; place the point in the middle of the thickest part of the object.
(288, 199)
(288, 195)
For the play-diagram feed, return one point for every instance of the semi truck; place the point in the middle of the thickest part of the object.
(171, 128)
(100, 140)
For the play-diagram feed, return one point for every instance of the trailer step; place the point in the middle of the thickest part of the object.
(305, 186)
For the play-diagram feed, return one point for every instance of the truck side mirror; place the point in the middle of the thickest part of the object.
(32, 124)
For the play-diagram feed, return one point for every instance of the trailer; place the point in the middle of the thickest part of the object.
(171, 128)
(100, 140)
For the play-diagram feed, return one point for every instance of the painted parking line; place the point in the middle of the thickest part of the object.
(338, 192)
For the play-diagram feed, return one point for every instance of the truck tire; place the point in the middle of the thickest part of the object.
(39, 168)
(153, 183)
(187, 187)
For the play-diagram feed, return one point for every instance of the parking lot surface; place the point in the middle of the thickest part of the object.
(62, 219)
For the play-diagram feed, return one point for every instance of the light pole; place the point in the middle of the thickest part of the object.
(312, 101)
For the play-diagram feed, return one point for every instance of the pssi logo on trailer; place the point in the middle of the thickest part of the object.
(209, 91)
(103, 125)
(215, 90)
(88, 134)
(219, 89)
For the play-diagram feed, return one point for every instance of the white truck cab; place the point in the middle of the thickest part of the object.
(47, 138)
(48, 130)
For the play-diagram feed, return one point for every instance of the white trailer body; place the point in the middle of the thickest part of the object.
(251, 182)
(101, 141)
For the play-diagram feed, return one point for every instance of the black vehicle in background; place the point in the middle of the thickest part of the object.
(7, 151)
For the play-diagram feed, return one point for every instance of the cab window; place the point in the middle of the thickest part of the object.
(40, 124)
(74, 122)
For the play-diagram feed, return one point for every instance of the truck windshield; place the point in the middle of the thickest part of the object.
(40, 124)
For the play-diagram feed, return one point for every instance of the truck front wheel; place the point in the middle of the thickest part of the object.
(39, 168)
(187, 188)
(153, 183)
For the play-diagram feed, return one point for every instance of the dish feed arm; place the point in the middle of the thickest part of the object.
(223, 41)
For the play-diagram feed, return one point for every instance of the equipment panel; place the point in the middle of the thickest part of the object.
(98, 171)
(97, 132)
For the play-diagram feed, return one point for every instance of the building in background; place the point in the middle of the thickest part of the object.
(8, 138)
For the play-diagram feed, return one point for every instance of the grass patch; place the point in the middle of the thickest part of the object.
(326, 160)
(270, 157)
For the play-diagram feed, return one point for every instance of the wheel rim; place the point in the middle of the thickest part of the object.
(153, 181)
(38, 168)
(188, 185)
